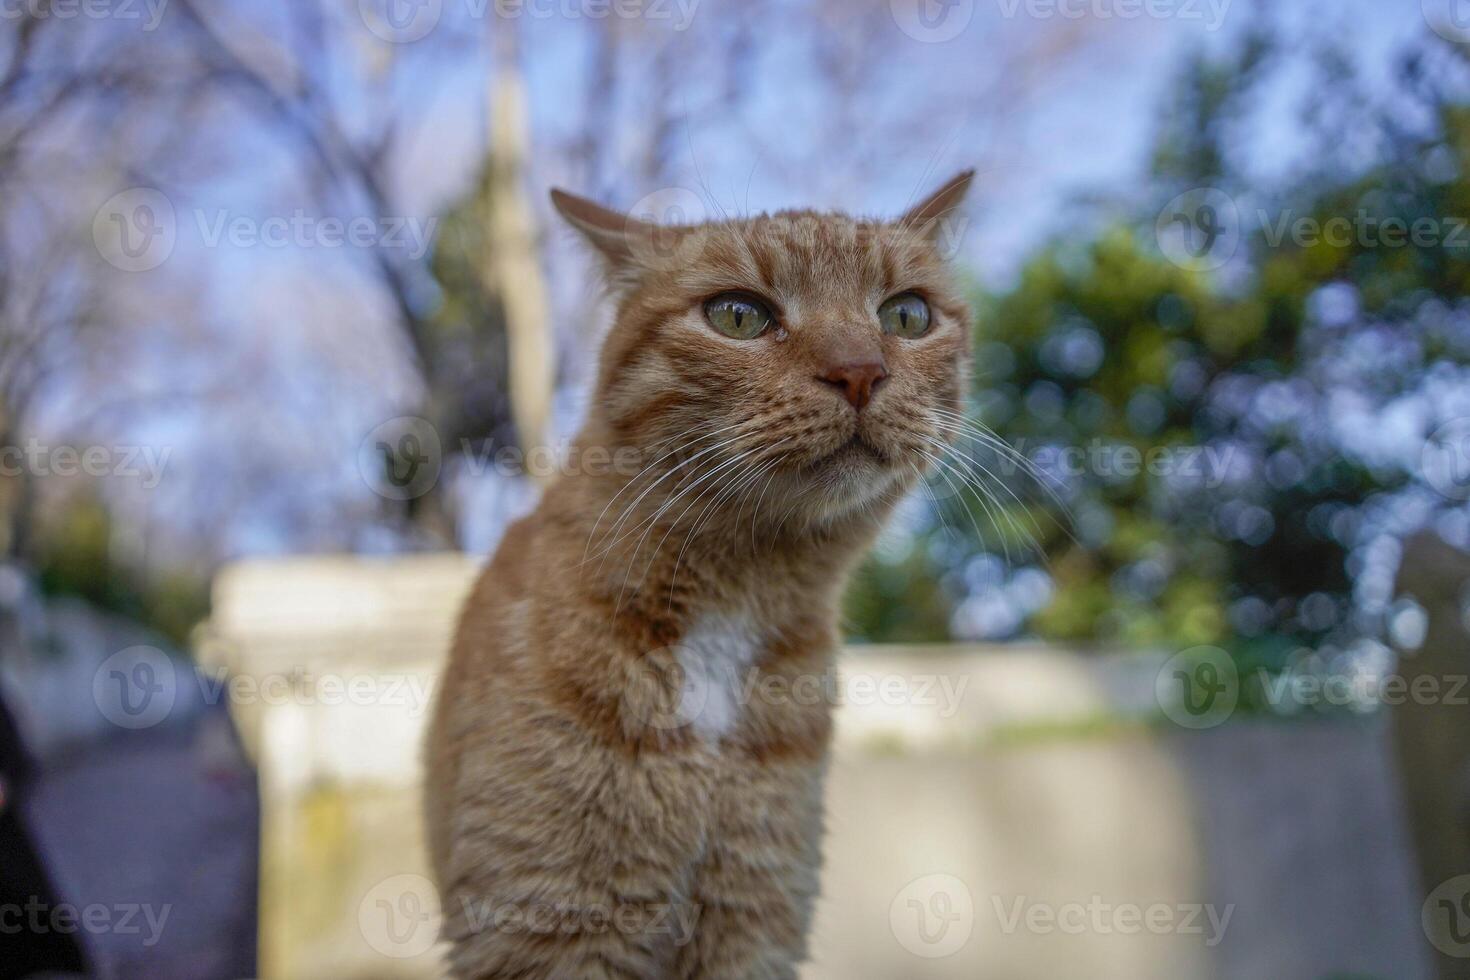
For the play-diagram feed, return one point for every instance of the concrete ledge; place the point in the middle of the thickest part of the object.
(955, 848)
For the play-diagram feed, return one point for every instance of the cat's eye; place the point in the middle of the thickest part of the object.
(738, 315)
(905, 315)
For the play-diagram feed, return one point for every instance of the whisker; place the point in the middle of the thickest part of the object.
(1025, 509)
(639, 475)
(755, 512)
(669, 504)
(983, 434)
(627, 511)
(979, 536)
(737, 483)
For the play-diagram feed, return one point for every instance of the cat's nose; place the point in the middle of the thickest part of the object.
(857, 380)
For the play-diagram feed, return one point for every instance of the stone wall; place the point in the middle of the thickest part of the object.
(1010, 812)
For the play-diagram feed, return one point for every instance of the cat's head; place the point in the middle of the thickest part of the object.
(808, 357)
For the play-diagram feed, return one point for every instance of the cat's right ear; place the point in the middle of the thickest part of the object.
(608, 231)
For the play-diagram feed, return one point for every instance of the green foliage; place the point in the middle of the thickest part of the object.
(465, 339)
(75, 559)
(1106, 349)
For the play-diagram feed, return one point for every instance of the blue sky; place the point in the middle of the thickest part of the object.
(1084, 125)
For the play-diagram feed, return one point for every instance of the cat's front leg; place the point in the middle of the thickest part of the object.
(759, 880)
(569, 857)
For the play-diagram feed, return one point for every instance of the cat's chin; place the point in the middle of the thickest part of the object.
(851, 479)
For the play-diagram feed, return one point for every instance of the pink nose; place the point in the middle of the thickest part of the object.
(857, 381)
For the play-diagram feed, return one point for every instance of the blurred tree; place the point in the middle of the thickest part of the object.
(1283, 379)
(77, 556)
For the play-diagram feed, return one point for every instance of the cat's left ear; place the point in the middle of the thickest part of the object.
(604, 229)
(932, 216)
(627, 245)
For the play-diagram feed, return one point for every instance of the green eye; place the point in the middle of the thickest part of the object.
(739, 316)
(904, 315)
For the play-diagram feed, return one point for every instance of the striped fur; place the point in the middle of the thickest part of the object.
(621, 736)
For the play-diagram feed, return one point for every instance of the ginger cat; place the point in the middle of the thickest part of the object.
(626, 761)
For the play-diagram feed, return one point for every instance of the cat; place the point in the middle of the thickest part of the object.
(624, 779)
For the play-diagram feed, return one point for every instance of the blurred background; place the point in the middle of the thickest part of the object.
(288, 335)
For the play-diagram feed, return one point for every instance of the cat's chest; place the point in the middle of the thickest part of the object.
(716, 656)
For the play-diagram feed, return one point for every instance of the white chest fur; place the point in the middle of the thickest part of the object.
(716, 655)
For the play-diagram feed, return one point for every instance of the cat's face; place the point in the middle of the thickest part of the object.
(805, 358)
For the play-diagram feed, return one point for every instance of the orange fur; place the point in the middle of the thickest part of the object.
(621, 745)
